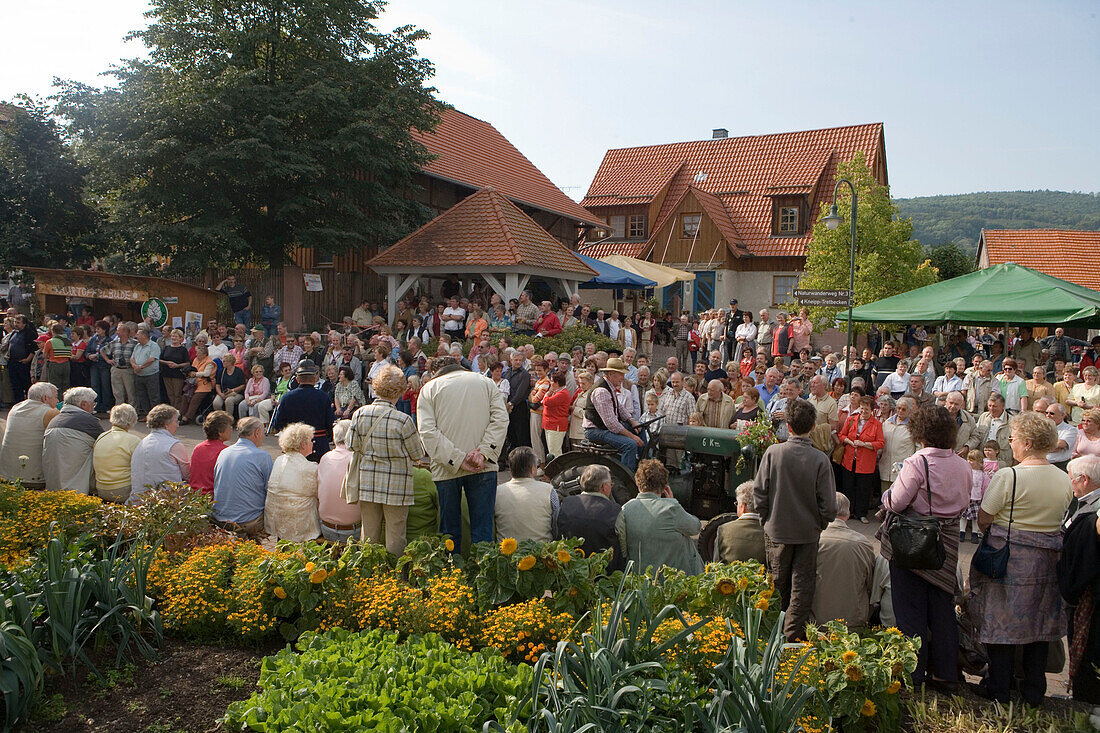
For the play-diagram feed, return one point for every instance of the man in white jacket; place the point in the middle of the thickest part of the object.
(462, 422)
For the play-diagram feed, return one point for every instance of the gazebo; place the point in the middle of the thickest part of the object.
(485, 235)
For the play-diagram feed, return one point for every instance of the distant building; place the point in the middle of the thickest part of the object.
(1063, 253)
(736, 211)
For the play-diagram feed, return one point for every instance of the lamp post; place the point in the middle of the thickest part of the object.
(832, 221)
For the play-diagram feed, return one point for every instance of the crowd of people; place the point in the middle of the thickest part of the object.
(993, 433)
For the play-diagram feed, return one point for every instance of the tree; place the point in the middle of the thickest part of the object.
(950, 260)
(888, 261)
(44, 221)
(255, 127)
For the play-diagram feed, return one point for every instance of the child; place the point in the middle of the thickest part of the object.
(695, 419)
(651, 413)
(979, 482)
(992, 463)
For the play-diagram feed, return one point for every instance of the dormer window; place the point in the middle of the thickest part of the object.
(788, 216)
(636, 226)
(689, 225)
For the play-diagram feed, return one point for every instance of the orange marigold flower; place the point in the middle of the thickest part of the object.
(724, 586)
(894, 687)
(849, 656)
(318, 576)
(564, 556)
(854, 673)
(508, 546)
(449, 544)
(868, 709)
(279, 592)
(762, 604)
(527, 562)
(310, 567)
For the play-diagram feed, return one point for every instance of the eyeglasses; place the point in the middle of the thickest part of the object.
(1052, 413)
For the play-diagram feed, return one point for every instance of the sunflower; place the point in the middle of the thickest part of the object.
(742, 584)
(449, 544)
(853, 672)
(564, 556)
(868, 709)
(894, 687)
(724, 586)
(310, 567)
(850, 656)
(573, 590)
(508, 545)
(279, 592)
(762, 604)
(318, 576)
(526, 563)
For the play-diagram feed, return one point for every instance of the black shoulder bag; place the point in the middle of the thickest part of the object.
(915, 539)
(992, 561)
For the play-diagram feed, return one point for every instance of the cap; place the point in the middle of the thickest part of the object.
(306, 366)
(733, 301)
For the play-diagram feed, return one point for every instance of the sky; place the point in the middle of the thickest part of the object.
(974, 96)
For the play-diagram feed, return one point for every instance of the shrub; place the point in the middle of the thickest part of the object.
(173, 511)
(425, 557)
(512, 571)
(523, 631)
(372, 681)
(27, 518)
(724, 591)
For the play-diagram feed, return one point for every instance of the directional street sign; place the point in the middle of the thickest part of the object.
(823, 298)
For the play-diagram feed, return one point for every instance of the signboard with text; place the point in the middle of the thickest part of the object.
(823, 298)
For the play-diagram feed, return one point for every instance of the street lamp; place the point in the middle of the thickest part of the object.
(832, 221)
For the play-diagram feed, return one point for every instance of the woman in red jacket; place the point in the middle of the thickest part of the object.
(555, 413)
(863, 438)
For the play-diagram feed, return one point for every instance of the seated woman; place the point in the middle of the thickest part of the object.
(256, 391)
(749, 406)
(290, 511)
(347, 395)
(653, 529)
(218, 427)
(112, 453)
(204, 385)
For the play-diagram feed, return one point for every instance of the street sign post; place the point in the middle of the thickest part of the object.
(823, 298)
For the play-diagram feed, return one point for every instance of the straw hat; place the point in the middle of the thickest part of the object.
(615, 364)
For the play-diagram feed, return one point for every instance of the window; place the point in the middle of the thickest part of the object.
(322, 258)
(689, 225)
(783, 289)
(636, 226)
(618, 226)
(788, 220)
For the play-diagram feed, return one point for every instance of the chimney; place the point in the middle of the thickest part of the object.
(718, 133)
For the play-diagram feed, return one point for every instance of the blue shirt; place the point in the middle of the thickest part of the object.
(240, 482)
(766, 394)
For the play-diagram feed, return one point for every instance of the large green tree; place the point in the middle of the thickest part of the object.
(44, 221)
(257, 126)
(888, 260)
(950, 260)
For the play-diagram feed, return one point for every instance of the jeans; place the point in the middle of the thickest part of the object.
(147, 387)
(628, 449)
(101, 383)
(270, 331)
(243, 317)
(339, 536)
(481, 499)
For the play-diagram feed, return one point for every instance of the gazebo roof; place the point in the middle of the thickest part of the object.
(485, 232)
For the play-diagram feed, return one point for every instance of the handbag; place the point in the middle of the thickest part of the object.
(990, 560)
(838, 451)
(915, 539)
(349, 490)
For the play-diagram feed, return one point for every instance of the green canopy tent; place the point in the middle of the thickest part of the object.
(1005, 293)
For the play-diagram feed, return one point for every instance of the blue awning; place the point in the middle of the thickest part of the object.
(614, 277)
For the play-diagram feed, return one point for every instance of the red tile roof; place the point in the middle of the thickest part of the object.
(741, 172)
(603, 248)
(484, 229)
(472, 152)
(1063, 253)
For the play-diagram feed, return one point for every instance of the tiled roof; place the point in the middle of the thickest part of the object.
(742, 172)
(483, 230)
(1063, 253)
(473, 152)
(603, 248)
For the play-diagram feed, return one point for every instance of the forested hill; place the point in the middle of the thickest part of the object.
(961, 218)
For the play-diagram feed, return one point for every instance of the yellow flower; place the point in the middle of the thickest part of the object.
(854, 673)
(508, 545)
(310, 567)
(868, 709)
(742, 584)
(564, 556)
(449, 544)
(279, 592)
(318, 576)
(762, 604)
(849, 656)
(894, 687)
(527, 562)
(724, 586)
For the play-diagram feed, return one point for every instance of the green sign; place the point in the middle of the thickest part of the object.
(712, 441)
(156, 309)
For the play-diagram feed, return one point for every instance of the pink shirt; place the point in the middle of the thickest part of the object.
(330, 479)
(203, 458)
(1086, 447)
(950, 478)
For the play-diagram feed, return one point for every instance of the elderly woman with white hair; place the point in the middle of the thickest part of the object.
(388, 444)
(68, 441)
(1079, 577)
(112, 454)
(339, 520)
(290, 510)
(160, 456)
(21, 450)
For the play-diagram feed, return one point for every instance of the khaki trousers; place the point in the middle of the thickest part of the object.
(396, 520)
(122, 386)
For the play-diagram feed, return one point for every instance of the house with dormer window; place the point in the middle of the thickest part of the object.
(736, 211)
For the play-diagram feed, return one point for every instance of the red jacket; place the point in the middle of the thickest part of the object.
(548, 324)
(864, 459)
(556, 407)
